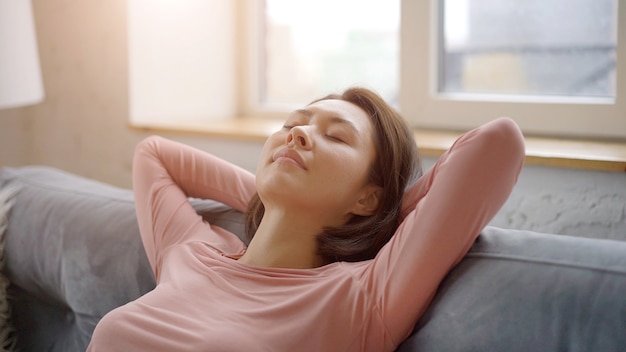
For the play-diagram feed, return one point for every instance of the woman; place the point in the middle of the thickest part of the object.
(344, 257)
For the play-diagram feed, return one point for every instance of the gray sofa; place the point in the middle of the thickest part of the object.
(73, 252)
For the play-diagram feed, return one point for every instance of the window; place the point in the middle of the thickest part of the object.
(549, 64)
(491, 62)
(311, 48)
(528, 47)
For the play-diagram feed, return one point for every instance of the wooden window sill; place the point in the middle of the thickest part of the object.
(569, 153)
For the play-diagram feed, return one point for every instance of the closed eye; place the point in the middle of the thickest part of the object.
(335, 138)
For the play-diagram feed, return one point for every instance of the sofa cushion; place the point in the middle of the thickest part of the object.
(527, 291)
(7, 330)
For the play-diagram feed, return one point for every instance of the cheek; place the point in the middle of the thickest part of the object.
(349, 171)
(263, 164)
(266, 151)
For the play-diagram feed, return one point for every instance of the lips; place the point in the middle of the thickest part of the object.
(291, 155)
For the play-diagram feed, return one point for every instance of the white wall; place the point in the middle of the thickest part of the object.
(182, 60)
(83, 124)
(571, 202)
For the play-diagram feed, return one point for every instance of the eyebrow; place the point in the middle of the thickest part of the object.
(304, 112)
(332, 119)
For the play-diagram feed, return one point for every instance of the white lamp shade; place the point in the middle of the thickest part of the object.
(20, 74)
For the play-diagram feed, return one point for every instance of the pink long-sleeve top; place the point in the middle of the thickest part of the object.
(205, 300)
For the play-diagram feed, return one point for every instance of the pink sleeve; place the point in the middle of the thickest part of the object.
(444, 213)
(165, 174)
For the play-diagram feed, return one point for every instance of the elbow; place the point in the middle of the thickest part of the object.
(145, 150)
(515, 140)
(498, 147)
(507, 139)
(147, 143)
(146, 147)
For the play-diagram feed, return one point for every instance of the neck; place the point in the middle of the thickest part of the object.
(284, 240)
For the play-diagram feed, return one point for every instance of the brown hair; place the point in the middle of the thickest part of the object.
(395, 167)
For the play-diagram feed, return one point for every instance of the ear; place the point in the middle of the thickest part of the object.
(367, 204)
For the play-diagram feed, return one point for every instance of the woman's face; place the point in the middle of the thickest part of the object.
(319, 161)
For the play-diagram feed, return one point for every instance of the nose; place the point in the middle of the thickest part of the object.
(299, 137)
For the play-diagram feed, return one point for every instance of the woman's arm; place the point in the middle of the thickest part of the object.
(165, 174)
(444, 213)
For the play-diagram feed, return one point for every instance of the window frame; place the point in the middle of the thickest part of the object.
(426, 108)
(251, 85)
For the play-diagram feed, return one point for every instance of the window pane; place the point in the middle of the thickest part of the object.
(312, 48)
(531, 47)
